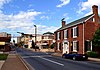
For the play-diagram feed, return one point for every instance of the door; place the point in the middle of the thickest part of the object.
(65, 47)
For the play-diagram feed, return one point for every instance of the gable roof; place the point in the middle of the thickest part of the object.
(76, 22)
(48, 33)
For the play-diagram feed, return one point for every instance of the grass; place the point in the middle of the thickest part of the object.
(3, 56)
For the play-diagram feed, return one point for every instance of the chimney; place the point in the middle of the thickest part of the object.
(95, 12)
(63, 23)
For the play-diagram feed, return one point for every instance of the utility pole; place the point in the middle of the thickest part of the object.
(35, 35)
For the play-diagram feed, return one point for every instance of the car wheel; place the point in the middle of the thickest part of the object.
(74, 58)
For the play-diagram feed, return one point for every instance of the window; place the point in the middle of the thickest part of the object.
(75, 46)
(58, 36)
(88, 45)
(75, 32)
(65, 34)
(58, 46)
(46, 37)
(93, 19)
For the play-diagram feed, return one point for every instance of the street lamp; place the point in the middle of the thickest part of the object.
(35, 35)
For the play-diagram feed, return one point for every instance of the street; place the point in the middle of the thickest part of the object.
(44, 61)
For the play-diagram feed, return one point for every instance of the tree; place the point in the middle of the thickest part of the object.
(52, 45)
(96, 40)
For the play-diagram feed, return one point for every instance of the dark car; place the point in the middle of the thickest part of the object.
(75, 56)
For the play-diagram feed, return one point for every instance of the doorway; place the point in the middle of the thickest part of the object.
(65, 46)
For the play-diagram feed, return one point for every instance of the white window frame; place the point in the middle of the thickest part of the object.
(65, 34)
(58, 34)
(75, 46)
(58, 44)
(93, 20)
(75, 32)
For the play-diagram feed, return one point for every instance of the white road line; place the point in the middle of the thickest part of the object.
(53, 61)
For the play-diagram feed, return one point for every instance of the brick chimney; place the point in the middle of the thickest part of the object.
(95, 12)
(63, 23)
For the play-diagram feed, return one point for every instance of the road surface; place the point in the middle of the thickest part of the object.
(44, 61)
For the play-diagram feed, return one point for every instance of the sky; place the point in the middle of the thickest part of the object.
(22, 15)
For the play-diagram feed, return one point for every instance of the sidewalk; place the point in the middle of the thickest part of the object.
(13, 62)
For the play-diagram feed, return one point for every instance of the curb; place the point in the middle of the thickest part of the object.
(1, 63)
(23, 62)
(94, 59)
(27, 65)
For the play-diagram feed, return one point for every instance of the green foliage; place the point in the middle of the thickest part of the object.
(52, 46)
(96, 38)
(3, 56)
(92, 54)
(21, 43)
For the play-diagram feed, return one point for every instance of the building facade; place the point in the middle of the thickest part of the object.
(5, 39)
(42, 40)
(77, 36)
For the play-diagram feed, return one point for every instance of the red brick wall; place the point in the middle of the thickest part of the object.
(89, 30)
(71, 39)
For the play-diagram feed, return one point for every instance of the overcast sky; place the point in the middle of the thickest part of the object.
(22, 15)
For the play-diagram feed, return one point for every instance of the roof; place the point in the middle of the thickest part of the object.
(48, 33)
(76, 22)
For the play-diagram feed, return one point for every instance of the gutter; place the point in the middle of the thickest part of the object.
(83, 37)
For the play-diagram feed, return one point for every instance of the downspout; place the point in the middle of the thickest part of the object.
(83, 37)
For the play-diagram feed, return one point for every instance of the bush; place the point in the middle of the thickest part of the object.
(93, 54)
(3, 56)
(52, 46)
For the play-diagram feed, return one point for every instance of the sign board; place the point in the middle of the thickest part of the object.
(2, 43)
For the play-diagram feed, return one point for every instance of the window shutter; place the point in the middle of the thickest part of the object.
(77, 31)
(72, 46)
(63, 34)
(71, 32)
(67, 33)
(60, 46)
(56, 36)
(77, 45)
(59, 35)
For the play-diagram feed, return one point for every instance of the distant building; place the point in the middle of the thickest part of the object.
(77, 36)
(42, 40)
(47, 39)
(5, 39)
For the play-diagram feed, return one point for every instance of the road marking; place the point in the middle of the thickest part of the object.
(37, 56)
(53, 61)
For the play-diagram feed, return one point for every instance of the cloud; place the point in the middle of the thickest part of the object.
(2, 2)
(42, 29)
(18, 21)
(65, 15)
(64, 2)
(44, 17)
(87, 5)
(23, 22)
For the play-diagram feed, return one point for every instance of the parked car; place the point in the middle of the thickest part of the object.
(75, 56)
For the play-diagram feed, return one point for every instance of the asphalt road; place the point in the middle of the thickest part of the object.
(44, 61)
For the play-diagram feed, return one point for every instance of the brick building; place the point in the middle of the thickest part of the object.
(77, 35)
(5, 39)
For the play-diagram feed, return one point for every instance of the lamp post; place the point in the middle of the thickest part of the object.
(35, 35)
